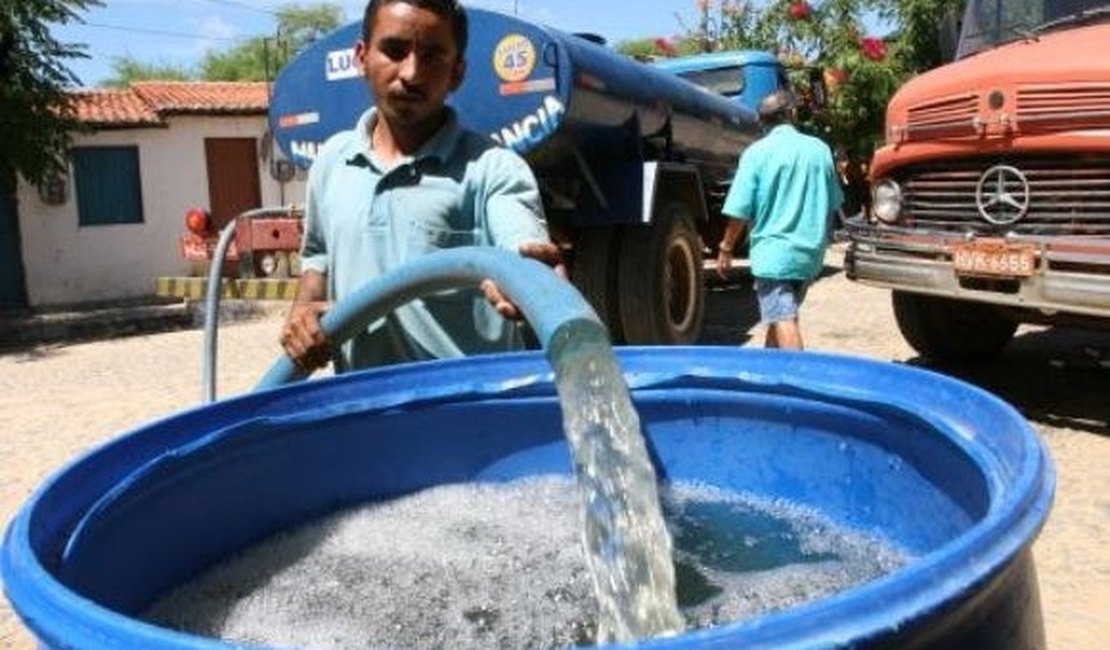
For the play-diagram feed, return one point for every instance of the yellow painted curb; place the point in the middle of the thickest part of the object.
(232, 289)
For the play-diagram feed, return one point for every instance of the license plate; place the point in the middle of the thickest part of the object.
(1006, 260)
(196, 249)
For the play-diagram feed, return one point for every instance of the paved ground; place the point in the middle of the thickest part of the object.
(59, 400)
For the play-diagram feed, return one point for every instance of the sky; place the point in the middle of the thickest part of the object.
(179, 32)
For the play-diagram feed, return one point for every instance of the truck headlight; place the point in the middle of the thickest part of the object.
(886, 202)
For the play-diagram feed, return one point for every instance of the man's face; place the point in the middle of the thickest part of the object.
(411, 63)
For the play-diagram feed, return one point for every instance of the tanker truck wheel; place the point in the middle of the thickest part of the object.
(593, 270)
(662, 296)
(951, 330)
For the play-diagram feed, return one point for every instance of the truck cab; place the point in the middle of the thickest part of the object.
(991, 194)
(743, 76)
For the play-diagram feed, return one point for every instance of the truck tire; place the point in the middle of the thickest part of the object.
(945, 329)
(662, 294)
(593, 271)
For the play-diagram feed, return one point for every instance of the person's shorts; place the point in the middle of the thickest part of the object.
(779, 300)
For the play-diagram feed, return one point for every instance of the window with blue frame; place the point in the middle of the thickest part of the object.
(109, 187)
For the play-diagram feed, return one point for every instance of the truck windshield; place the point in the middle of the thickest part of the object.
(723, 81)
(989, 23)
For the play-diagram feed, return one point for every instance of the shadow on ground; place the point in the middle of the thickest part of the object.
(731, 308)
(1056, 376)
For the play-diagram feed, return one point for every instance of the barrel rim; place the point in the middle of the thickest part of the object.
(1019, 504)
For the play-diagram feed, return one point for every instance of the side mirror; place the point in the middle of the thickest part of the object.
(948, 35)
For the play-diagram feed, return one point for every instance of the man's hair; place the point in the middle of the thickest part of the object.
(777, 108)
(448, 9)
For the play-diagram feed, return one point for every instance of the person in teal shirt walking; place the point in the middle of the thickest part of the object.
(785, 190)
(406, 181)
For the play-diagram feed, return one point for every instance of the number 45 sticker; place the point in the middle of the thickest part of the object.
(514, 58)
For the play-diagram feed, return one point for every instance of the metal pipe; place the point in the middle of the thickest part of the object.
(550, 304)
(212, 297)
(211, 310)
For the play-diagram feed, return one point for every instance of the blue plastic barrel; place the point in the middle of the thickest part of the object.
(943, 469)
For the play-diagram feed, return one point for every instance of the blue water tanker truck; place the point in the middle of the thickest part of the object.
(633, 160)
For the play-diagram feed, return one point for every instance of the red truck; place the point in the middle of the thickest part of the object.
(265, 245)
(991, 196)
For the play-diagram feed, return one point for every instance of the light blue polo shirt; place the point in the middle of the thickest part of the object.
(786, 185)
(363, 219)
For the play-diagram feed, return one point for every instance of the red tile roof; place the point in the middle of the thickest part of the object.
(147, 103)
(114, 108)
(204, 97)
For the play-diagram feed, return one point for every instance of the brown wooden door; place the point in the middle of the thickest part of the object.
(233, 185)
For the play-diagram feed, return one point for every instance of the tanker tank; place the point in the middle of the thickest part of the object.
(633, 162)
(578, 111)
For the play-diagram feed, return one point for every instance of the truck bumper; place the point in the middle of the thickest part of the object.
(1072, 275)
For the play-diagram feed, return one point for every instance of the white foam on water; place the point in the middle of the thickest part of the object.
(465, 566)
(482, 566)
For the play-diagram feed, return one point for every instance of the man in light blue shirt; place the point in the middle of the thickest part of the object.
(785, 190)
(406, 181)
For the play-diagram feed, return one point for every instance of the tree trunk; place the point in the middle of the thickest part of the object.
(13, 286)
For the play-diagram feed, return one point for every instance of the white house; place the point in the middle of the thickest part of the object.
(113, 225)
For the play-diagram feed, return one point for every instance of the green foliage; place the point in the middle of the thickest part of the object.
(254, 60)
(921, 30)
(640, 48)
(259, 59)
(299, 27)
(653, 48)
(128, 69)
(36, 114)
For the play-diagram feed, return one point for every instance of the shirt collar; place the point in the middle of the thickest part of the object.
(439, 147)
(783, 128)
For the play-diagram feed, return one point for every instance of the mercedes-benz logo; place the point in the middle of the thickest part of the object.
(1002, 195)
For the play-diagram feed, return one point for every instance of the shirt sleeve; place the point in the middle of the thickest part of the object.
(740, 200)
(512, 205)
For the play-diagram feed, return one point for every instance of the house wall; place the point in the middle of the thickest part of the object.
(69, 264)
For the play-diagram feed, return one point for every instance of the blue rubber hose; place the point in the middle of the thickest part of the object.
(549, 303)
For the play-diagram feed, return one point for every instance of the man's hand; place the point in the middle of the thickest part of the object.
(735, 229)
(545, 252)
(548, 253)
(303, 339)
(724, 262)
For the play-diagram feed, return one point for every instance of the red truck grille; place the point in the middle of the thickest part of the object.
(1068, 195)
(1056, 107)
(948, 116)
